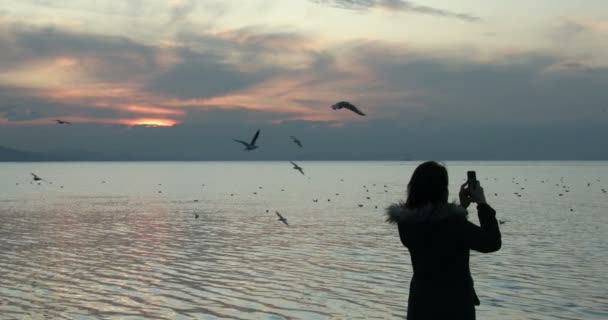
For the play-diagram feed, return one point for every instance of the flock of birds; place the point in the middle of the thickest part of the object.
(250, 146)
(37, 179)
(562, 189)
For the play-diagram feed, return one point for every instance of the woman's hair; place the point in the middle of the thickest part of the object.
(428, 186)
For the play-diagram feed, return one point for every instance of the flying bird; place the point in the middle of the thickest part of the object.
(281, 218)
(62, 122)
(250, 145)
(297, 167)
(37, 178)
(296, 141)
(347, 105)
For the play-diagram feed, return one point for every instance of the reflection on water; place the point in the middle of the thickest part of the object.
(121, 249)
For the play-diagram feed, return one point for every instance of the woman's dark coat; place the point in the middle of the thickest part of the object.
(439, 240)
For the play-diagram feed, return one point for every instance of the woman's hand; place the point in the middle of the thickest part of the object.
(464, 195)
(477, 194)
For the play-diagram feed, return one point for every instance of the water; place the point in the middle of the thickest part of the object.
(122, 250)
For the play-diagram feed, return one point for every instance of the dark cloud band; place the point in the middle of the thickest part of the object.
(397, 5)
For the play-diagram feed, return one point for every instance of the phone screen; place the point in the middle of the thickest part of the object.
(471, 178)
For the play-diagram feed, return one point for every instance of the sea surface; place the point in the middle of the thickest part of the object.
(122, 241)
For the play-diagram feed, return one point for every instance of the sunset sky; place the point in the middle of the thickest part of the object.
(492, 79)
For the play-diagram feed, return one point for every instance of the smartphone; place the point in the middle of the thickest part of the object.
(471, 179)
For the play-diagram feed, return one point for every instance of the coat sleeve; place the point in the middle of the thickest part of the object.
(486, 237)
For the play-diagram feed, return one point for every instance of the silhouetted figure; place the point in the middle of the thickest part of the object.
(62, 122)
(250, 145)
(347, 105)
(439, 238)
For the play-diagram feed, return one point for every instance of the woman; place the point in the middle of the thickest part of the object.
(439, 237)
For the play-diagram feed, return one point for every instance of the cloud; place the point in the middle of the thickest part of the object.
(573, 27)
(233, 81)
(179, 10)
(203, 76)
(108, 58)
(498, 91)
(397, 5)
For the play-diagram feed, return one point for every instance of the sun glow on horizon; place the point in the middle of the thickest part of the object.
(150, 122)
(153, 110)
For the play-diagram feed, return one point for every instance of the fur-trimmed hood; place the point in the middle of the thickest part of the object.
(398, 213)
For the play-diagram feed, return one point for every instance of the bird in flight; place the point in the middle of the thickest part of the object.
(62, 122)
(297, 167)
(281, 218)
(296, 141)
(37, 178)
(347, 105)
(250, 145)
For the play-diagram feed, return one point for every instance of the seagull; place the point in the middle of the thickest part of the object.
(250, 145)
(297, 167)
(281, 218)
(62, 122)
(296, 141)
(37, 178)
(347, 105)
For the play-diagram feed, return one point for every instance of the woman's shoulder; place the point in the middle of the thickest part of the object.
(430, 214)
